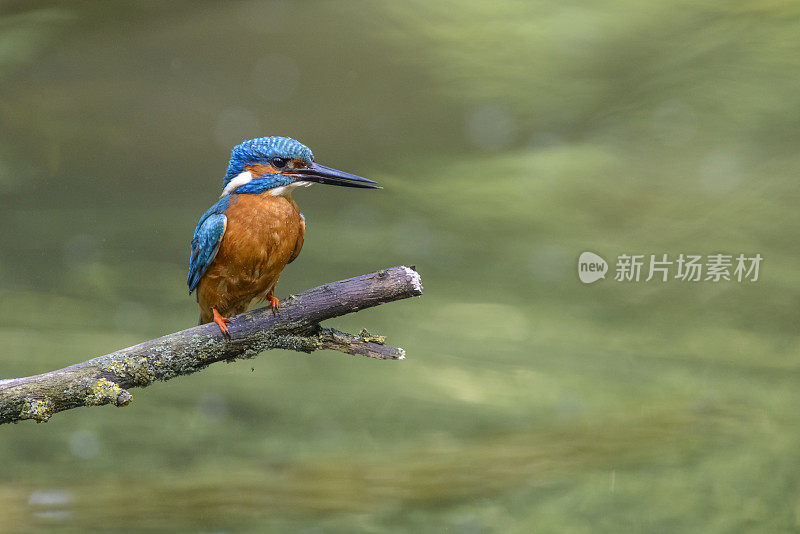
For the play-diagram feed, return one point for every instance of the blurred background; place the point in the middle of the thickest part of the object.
(510, 137)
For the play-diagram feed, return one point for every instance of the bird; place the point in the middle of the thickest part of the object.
(243, 242)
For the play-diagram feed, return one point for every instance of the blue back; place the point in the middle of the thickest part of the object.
(205, 241)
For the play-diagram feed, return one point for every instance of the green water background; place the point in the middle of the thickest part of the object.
(510, 137)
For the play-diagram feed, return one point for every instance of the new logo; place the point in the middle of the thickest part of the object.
(591, 267)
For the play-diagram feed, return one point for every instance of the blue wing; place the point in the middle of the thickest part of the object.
(205, 242)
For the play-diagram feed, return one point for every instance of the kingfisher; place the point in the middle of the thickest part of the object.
(243, 242)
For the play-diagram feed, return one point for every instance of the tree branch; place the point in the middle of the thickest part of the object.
(105, 379)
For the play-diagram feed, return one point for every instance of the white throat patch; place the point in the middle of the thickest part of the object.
(287, 189)
(247, 177)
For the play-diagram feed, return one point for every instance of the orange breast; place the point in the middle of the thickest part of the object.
(262, 235)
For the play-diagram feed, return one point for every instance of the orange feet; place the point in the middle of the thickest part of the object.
(222, 322)
(273, 303)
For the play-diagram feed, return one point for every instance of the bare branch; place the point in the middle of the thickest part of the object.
(105, 379)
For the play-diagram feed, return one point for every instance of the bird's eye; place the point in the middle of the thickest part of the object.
(279, 163)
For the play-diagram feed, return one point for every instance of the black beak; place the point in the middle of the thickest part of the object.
(325, 175)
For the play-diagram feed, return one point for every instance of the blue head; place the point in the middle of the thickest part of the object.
(269, 163)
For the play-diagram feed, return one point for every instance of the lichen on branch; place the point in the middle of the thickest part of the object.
(106, 379)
